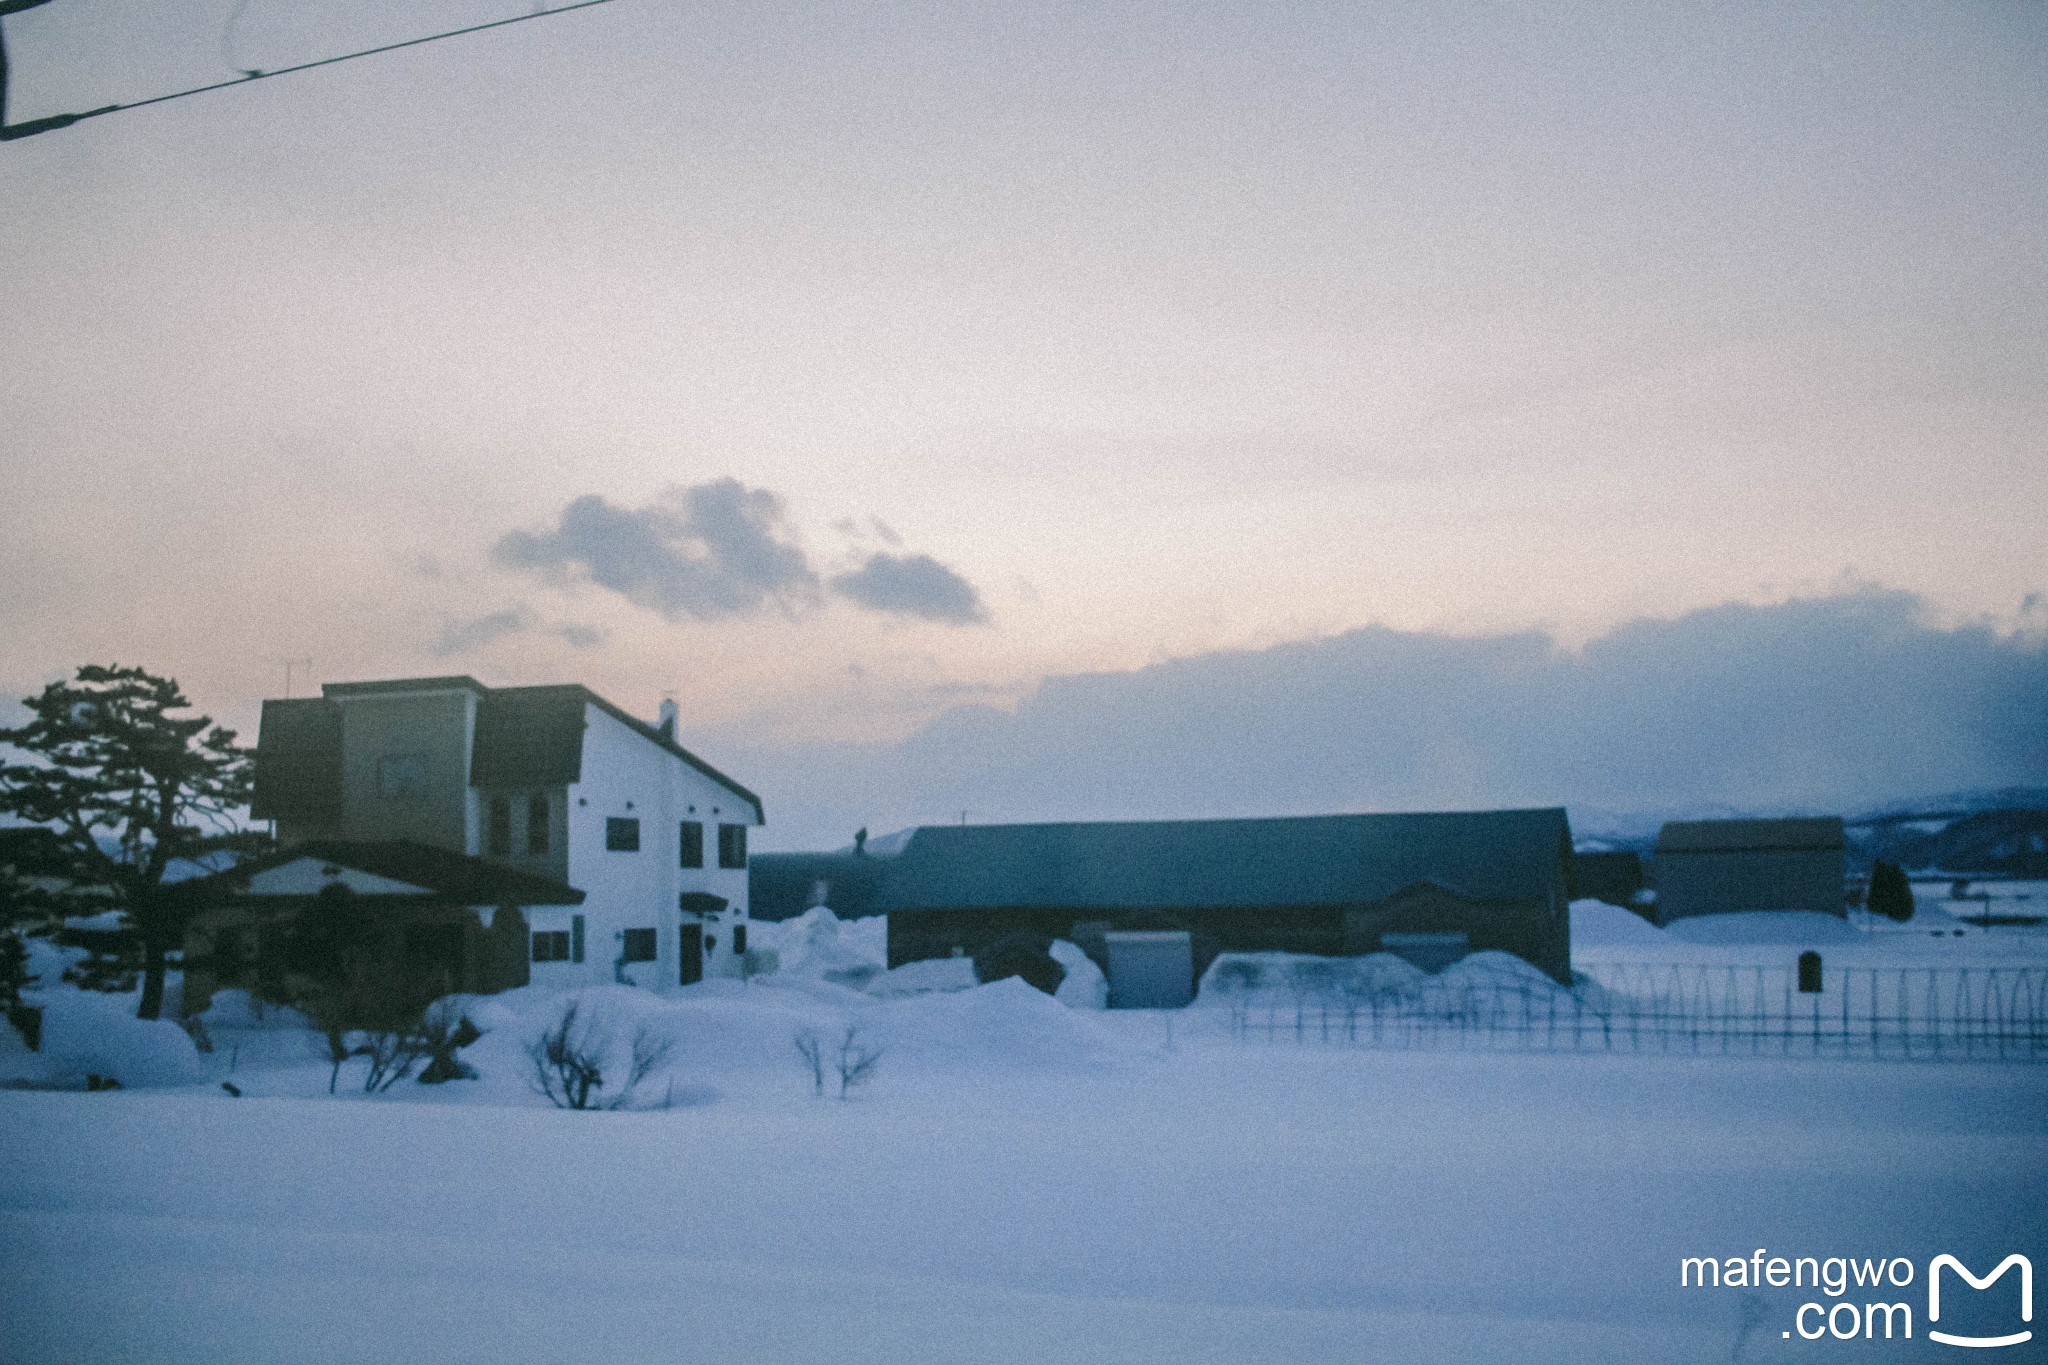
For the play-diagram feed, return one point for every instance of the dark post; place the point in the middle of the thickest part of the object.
(1809, 973)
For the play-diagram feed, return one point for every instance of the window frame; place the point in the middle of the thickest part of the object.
(690, 844)
(540, 837)
(732, 846)
(556, 942)
(622, 834)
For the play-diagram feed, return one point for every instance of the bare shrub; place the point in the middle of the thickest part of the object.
(568, 1063)
(811, 1048)
(445, 1031)
(392, 1052)
(856, 1061)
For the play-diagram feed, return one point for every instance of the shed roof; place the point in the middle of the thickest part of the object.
(1801, 834)
(449, 876)
(1297, 860)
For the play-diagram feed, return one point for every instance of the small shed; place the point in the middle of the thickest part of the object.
(1713, 867)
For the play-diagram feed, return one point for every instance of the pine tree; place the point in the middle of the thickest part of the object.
(129, 790)
(1891, 895)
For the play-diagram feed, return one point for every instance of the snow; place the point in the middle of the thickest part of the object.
(1598, 924)
(1204, 1201)
(1084, 987)
(1802, 928)
(89, 1033)
(1023, 1179)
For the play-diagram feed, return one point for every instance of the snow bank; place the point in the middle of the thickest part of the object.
(925, 977)
(1598, 924)
(1005, 1024)
(819, 943)
(90, 1033)
(1308, 975)
(1085, 987)
(1794, 927)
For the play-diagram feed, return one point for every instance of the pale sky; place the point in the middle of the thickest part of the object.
(1121, 334)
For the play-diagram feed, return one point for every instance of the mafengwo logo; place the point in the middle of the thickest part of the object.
(1879, 1312)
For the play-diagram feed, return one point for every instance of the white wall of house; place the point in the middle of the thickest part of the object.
(627, 777)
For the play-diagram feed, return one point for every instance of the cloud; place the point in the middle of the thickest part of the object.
(464, 637)
(712, 551)
(721, 550)
(460, 636)
(1831, 704)
(912, 585)
(579, 637)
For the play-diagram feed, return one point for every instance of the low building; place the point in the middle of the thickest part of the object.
(553, 783)
(1611, 875)
(1328, 884)
(1712, 867)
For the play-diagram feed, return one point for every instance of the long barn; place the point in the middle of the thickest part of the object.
(1326, 884)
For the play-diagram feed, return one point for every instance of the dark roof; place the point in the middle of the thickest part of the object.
(1802, 834)
(452, 877)
(298, 761)
(1305, 860)
(525, 737)
(528, 737)
(443, 684)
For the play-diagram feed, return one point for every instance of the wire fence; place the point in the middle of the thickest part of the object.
(1906, 1013)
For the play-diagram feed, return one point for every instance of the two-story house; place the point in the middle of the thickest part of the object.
(623, 854)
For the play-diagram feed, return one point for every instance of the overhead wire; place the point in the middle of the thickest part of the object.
(30, 127)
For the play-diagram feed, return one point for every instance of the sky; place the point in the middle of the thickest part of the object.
(895, 386)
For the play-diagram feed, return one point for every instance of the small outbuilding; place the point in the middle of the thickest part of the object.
(1712, 867)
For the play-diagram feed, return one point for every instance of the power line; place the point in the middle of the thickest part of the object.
(10, 132)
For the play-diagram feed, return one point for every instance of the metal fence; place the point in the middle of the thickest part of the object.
(1917, 1013)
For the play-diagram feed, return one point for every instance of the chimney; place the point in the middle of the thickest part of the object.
(667, 723)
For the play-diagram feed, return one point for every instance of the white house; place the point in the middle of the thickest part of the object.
(554, 782)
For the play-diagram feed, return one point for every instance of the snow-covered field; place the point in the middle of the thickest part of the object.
(1023, 1180)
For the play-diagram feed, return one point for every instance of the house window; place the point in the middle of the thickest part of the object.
(500, 844)
(551, 945)
(575, 938)
(402, 775)
(536, 824)
(732, 845)
(622, 834)
(739, 938)
(692, 844)
(640, 946)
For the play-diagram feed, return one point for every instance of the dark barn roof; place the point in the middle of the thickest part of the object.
(525, 737)
(447, 876)
(1303, 860)
(1796, 835)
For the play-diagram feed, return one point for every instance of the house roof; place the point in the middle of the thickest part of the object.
(525, 737)
(298, 761)
(1303, 860)
(533, 736)
(1802, 834)
(452, 877)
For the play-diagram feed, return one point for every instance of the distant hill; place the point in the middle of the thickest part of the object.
(1995, 832)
